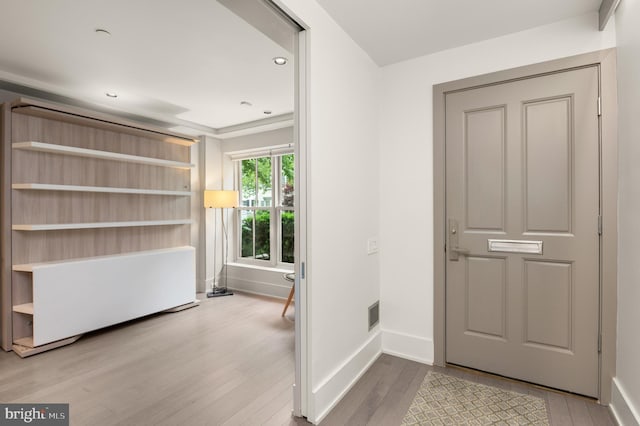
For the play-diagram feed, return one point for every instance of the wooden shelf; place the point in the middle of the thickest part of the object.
(25, 308)
(25, 341)
(103, 189)
(145, 282)
(97, 225)
(28, 267)
(102, 155)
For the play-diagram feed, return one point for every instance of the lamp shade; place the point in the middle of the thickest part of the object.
(220, 199)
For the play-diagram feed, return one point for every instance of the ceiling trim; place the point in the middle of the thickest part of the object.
(257, 126)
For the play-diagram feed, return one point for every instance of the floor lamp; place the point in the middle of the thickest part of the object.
(218, 199)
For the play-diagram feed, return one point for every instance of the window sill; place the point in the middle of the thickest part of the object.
(260, 268)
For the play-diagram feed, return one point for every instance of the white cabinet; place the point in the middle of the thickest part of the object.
(76, 296)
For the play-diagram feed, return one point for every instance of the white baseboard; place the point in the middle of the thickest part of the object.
(331, 390)
(407, 346)
(622, 407)
(259, 287)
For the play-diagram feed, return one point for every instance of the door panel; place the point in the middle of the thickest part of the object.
(547, 293)
(484, 168)
(522, 162)
(548, 168)
(485, 296)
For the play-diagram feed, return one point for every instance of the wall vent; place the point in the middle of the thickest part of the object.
(374, 315)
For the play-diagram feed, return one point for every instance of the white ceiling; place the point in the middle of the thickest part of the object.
(396, 30)
(187, 62)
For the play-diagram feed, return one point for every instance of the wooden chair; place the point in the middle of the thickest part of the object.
(289, 277)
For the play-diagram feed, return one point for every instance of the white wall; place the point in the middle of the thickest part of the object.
(626, 389)
(343, 199)
(406, 136)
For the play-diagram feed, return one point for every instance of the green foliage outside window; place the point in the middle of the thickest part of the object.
(287, 180)
(287, 167)
(288, 232)
(249, 176)
(257, 191)
(262, 236)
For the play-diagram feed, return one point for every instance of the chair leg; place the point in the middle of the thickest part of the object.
(286, 305)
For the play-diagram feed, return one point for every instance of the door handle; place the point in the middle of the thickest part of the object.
(462, 251)
(452, 248)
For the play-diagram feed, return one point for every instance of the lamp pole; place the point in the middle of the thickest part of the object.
(220, 199)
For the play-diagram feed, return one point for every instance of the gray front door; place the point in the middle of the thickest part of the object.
(522, 204)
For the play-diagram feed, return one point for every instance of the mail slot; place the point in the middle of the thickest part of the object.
(515, 246)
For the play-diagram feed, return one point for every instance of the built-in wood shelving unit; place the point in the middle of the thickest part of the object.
(102, 155)
(98, 189)
(97, 225)
(116, 195)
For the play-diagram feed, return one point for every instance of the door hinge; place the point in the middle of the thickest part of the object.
(599, 106)
(599, 224)
(599, 343)
(302, 271)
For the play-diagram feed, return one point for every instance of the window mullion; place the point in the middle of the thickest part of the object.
(279, 234)
(273, 228)
(255, 204)
(238, 239)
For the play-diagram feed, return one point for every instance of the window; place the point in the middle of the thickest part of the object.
(266, 218)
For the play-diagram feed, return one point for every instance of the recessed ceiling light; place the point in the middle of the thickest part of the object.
(102, 31)
(279, 60)
(267, 112)
(246, 103)
(111, 94)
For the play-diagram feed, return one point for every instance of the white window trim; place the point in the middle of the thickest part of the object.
(264, 152)
(275, 209)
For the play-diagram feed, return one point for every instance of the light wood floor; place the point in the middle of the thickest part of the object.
(384, 393)
(227, 362)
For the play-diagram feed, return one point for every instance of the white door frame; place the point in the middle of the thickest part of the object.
(301, 389)
(302, 303)
(606, 62)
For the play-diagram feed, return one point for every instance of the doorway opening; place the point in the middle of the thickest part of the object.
(267, 17)
(188, 80)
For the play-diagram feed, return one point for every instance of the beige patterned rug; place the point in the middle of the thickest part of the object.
(447, 400)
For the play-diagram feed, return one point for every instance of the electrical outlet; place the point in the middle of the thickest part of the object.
(372, 245)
